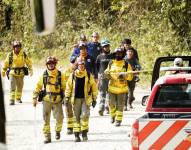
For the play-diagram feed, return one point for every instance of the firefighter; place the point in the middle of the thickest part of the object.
(102, 62)
(81, 91)
(131, 84)
(17, 64)
(117, 88)
(53, 84)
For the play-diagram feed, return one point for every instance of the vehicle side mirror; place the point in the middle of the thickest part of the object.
(144, 100)
(44, 15)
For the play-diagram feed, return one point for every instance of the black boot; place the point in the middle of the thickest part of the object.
(117, 123)
(12, 102)
(84, 135)
(112, 119)
(69, 131)
(47, 139)
(77, 136)
(107, 109)
(100, 112)
(57, 136)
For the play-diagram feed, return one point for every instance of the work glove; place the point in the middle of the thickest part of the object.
(35, 102)
(66, 101)
(94, 103)
(121, 76)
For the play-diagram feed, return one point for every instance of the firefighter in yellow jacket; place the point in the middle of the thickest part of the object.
(117, 88)
(53, 84)
(81, 90)
(16, 65)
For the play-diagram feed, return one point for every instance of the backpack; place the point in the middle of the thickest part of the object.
(45, 81)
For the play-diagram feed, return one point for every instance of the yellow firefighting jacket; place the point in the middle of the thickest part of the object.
(90, 85)
(52, 88)
(18, 62)
(116, 85)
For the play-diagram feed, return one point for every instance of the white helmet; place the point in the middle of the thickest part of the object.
(178, 62)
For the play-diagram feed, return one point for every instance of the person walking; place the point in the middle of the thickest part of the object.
(76, 49)
(117, 73)
(90, 63)
(94, 47)
(126, 44)
(17, 64)
(102, 62)
(132, 60)
(50, 90)
(81, 91)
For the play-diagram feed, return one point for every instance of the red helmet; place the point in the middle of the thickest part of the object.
(16, 43)
(51, 60)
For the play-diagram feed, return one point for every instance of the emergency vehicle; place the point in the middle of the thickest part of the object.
(166, 124)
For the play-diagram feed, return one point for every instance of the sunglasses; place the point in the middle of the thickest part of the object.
(51, 63)
(16, 46)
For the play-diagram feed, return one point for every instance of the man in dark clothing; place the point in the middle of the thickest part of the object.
(102, 62)
(94, 47)
(132, 60)
(126, 43)
(89, 61)
(76, 50)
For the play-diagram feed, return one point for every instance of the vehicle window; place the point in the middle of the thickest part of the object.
(174, 95)
(170, 64)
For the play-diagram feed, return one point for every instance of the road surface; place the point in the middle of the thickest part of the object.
(24, 125)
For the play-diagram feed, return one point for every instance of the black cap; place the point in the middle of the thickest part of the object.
(126, 41)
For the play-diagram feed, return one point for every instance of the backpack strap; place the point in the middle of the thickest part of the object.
(59, 79)
(45, 79)
(25, 55)
(126, 65)
(10, 59)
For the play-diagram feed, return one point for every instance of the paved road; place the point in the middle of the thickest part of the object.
(24, 125)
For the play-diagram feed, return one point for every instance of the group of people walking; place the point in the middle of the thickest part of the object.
(95, 73)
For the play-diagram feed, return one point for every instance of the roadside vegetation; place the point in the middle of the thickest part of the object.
(156, 27)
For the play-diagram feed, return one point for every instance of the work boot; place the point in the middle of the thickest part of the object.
(47, 139)
(84, 135)
(19, 101)
(130, 106)
(117, 123)
(57, 137)
(100, 112)
(112, 119)
(77, 137)
(107, 109)
(12, 102)
(125, 108)
(69, 131)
